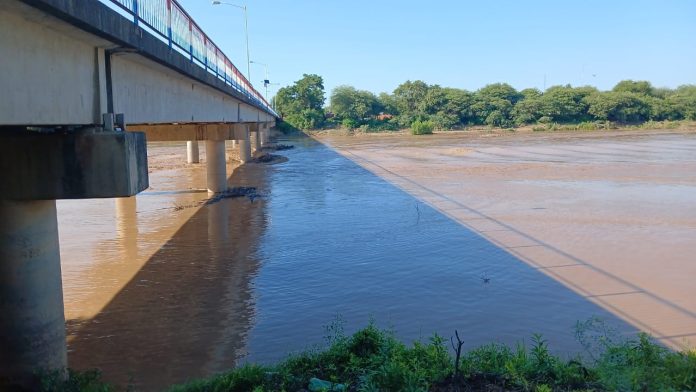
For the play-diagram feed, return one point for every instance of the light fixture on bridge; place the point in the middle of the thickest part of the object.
(246, 30)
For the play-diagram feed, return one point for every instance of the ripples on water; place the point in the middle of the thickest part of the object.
(255, 281)
(344, 242)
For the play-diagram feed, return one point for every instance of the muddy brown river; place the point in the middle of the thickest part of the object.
(498, 237)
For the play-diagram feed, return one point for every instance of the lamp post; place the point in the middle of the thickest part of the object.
(246, 30)
(266, 82)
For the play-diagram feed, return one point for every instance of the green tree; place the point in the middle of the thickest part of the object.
(683, 99)
(528, 110)
(565, 104)
(624, 107)
(458, 103)
(530, 93)
(493, 104)
(357, 106)
(387, 104)
(301, 104)
(631, 86)
(409, 98)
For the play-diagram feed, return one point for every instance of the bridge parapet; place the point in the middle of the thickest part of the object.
(74, 60)
(167, 20)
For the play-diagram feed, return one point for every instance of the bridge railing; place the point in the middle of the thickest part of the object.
(168, 21)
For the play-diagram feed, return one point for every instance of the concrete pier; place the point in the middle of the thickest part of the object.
(265, 136)
(245, 147)
(32, 325)
(216, 165)
(257, 140)
(38, 168)
(192, 151)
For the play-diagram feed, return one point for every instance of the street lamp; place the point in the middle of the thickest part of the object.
(246, 30)
(266, 82)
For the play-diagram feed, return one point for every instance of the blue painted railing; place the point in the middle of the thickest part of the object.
(168, 20)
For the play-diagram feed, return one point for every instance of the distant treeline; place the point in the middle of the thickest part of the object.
(497, 105)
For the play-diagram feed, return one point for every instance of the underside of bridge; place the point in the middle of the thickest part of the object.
(84, 90)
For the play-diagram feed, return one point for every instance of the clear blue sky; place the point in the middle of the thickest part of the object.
(376, 45)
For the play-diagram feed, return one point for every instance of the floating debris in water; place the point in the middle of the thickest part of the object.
(277, 147)
(269, 158)
(239, 191)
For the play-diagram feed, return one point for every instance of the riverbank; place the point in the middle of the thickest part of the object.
(373, 359)
(539, 130)
(608, 214)
(244, 281)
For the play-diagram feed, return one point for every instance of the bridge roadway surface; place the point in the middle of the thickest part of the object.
(86, 84)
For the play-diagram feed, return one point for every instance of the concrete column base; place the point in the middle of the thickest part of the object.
(32, 321)
(192, 151)
(245, 148)
(257, 140)
(216, 166)
(265, 137)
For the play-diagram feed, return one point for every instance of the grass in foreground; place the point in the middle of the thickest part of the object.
(374, 360)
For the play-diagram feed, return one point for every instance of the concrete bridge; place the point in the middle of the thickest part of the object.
(84, 84)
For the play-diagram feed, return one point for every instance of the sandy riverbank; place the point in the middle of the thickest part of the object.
(609, 214)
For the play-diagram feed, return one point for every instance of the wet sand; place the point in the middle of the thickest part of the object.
(611, 216)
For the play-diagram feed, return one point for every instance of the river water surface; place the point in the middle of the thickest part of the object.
(498, 238)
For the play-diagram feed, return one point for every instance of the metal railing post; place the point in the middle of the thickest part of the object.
(169, 22)
(205, 46)
(135, 12)
(231, 76)
(191, 39)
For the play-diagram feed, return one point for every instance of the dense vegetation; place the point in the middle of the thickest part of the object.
(301, 105)
(496, 105)
(373, 360)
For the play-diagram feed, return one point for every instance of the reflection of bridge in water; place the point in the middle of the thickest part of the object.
(86, 84)
(172, 309)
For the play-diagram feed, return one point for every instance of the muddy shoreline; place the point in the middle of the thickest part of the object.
(527, 132)
(609, 214)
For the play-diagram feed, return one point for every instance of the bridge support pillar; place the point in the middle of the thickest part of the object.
(245, 147)
(256, 130)
(217, 165)
(257, 141)
(265, 136)
(38, 168)
(192, 151)
(32, 326)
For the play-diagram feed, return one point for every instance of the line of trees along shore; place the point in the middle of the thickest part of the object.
(496, 105)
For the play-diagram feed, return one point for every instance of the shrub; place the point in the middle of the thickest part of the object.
(422, 127)
(349, 123)
(444, 121)
(587, 126)
(374, 360)
(286, 127)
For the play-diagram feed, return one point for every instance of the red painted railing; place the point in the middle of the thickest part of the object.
(168, 21)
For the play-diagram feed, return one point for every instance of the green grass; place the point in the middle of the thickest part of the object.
(374, 360)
